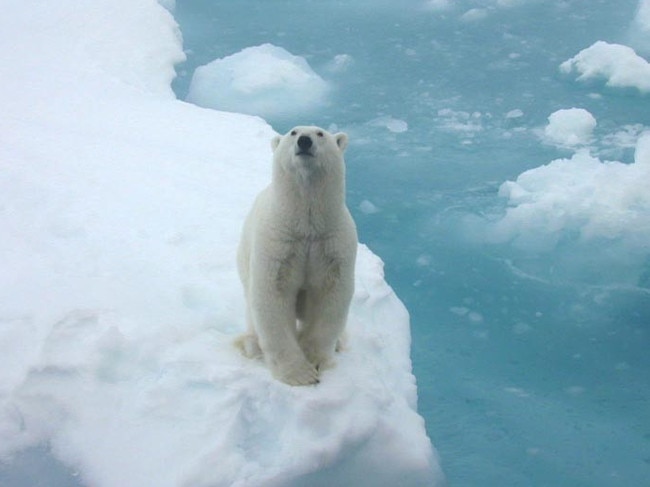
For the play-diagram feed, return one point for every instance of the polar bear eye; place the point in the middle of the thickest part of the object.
(293, 132)
(319, 133)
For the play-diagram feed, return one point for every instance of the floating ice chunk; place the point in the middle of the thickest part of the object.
(460, 121)
(475, 317)
(570, 127)
(642, 16)
(459, 310)
(265, 80)
(516, 113)
(582, 194)
(517, 391)
(340, 63)
(509, 3)
(439, 5)
(474, 14)
(394, 125)
(574, 390)
(368, 207)
(618, 65)
(626, 137)
(642, 153)
(521, 328)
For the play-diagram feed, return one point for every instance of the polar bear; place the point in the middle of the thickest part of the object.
(296, 257)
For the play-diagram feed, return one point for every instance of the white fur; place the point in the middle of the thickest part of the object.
(296, 258)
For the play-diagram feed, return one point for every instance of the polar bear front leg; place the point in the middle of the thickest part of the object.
(275, 323)
(322, 327)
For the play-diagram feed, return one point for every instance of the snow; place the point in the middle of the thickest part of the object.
(570, 127)
(620, 66)
(121, 208)
(265, 80)
(597, 199)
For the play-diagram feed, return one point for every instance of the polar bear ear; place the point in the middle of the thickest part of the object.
(341, 140)
(275, 142)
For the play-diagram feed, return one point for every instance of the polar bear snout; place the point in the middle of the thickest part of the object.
(305, 142)
(304, 145)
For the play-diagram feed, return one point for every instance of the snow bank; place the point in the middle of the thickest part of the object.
(597, 199)
(618, 65)
(570, 127)
(131, 58)
(263, 80)
(119, 299)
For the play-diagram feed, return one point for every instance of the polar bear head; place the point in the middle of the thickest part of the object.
(309, 150)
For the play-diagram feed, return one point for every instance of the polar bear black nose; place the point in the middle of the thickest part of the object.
(304, 142)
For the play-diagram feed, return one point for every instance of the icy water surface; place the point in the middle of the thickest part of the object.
(532, 362)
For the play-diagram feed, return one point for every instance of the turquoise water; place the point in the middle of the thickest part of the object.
(532, 365)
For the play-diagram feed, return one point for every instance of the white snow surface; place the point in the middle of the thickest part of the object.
(570, 127)
(264, 80)
(620, 66)
(120, 211)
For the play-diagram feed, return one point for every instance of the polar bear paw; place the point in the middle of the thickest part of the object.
(249, 346)
(301, 373)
